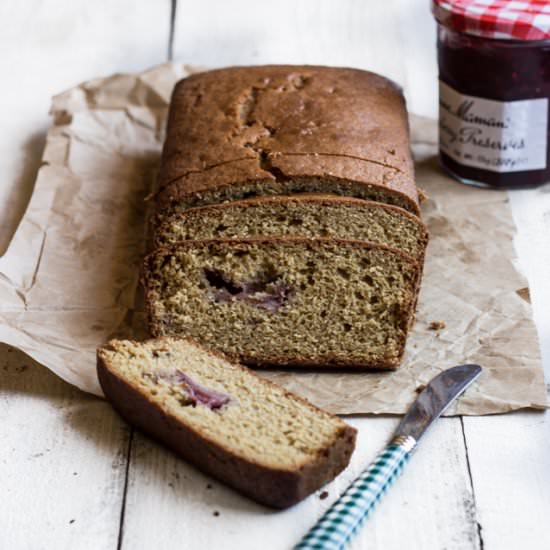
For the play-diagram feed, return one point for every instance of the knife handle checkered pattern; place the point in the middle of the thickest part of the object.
(340, 522)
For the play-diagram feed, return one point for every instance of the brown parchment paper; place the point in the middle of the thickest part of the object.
(69, 278)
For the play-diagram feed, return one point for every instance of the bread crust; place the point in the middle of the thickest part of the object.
(278, 488)
(274, 123)
(279, 360)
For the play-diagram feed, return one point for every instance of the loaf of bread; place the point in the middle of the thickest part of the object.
(244, 132)
(287, 226)
(253, 435)
(286, 301)
(304, 215)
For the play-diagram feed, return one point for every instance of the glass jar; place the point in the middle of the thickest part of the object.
(494, 80)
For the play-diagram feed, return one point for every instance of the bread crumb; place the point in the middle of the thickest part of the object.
(420, 388)
(422, 195)
(524, 294)
(323, 495)
(437, 325)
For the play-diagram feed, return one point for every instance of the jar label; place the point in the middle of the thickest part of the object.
(499, 136)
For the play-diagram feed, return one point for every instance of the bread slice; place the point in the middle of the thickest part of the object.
(242, 132)
(307, 215)
(253, 435)
(286, 301)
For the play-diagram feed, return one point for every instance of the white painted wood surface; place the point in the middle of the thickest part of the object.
(183, 505)
(62, 461)
(48, 46)
(395, 38)
(65, 456)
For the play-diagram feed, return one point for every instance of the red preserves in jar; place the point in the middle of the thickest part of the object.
(494, 77)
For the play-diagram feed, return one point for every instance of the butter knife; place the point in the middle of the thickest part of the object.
(344, 518)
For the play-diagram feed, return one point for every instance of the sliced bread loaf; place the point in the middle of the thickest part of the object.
(253, 435)
(307, 215)
(286, 301)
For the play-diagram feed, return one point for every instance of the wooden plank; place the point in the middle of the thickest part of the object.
(509, 459)
(169, 504)
(47, 47)
(395, 38)
(62, 455)
(246, 32)
(531, 211)
(509, 455)
(417, 32)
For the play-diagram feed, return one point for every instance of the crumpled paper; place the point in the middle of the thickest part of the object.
(69, 280)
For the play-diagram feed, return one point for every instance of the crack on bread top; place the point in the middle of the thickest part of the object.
(267, 166)
(246, 108)
(247, 121)
(255, 131)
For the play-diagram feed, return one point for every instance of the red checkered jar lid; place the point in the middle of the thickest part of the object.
(499, 19)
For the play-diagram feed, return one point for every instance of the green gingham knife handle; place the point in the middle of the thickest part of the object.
(342, 520)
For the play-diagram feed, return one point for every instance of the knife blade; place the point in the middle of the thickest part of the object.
(435, 398)
(344, 518)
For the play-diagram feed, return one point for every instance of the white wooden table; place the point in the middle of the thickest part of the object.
(72, 474)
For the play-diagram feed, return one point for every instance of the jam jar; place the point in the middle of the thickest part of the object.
(494, 89)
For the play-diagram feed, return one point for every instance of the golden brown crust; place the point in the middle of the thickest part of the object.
(271, 124)
(278, 360)
(277, 488)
